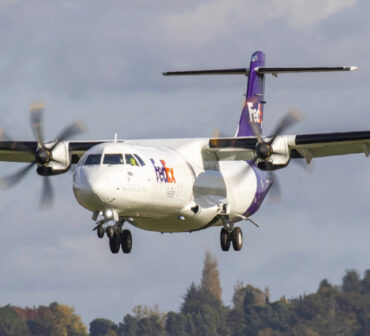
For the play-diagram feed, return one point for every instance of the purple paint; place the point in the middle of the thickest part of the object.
(253, 106)
(263, 187)
(160, 172)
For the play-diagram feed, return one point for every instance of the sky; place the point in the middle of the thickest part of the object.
(101, 62)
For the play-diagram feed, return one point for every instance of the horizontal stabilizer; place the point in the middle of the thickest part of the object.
(259, 70)
(274, 71)
(238, 71)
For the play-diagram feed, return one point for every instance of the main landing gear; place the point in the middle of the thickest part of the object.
(229, 235)
(118, 238)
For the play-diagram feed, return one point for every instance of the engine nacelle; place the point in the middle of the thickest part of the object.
(61, 160)
(280, 157)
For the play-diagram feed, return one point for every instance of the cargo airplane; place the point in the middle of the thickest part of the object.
(179, 185)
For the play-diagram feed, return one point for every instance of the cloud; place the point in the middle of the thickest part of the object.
(302, 13)
(213, 20)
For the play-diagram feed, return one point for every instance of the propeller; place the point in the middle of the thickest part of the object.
(264, 149)
(42, 154)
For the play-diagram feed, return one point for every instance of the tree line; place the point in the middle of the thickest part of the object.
(331, 310)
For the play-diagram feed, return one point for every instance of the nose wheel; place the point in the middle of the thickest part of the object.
(234, 236)
(118, 238)
(126, 241)
(114, 243)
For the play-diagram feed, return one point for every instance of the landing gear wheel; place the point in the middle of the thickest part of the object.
(100, 231)
(110, 231)
(225, 239)
(114, 243)
(126, 241)
(237, 238)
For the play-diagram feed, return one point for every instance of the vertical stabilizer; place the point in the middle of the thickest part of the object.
(253, 106)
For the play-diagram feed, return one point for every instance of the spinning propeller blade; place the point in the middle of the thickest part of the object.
(11, 180)
(264, 149)
(42, 155)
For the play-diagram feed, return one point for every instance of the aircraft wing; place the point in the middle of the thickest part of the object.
(23, 151)
(305, 146)
(310, 146)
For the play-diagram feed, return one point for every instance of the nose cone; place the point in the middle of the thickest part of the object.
(92, 189)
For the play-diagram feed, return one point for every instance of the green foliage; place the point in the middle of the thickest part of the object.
(103, 327)
(351, 282)
(145, 326)
(332, 310)
(57, 319)
(365, 283)
(11, 324)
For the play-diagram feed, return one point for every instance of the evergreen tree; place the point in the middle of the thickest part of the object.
(129, 327)
(103, 327)
(211, 277)
(351, 282)
(365, 283)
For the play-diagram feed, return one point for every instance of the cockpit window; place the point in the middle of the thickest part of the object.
(130, 160)
(93, 159)
(142, 163)
(113, 159)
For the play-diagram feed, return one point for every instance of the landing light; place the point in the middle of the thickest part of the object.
(108, 214)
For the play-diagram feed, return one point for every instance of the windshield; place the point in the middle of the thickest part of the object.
(93, 159)
(113, 159)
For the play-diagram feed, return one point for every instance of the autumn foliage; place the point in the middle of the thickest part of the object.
(332, 310)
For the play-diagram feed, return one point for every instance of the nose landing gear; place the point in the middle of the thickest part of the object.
(118, 238)
(121, 238)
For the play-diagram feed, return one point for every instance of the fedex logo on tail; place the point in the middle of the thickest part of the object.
(163, 173)
(255, 114)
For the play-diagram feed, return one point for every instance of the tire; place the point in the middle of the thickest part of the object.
(110, 231)
(126, 241)
(237, 238)
(225, 240)
(100, 231)
(114, 243)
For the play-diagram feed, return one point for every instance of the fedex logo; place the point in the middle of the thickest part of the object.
(255, 114)
(163, 173)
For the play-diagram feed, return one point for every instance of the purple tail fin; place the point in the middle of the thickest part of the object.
(253, 106)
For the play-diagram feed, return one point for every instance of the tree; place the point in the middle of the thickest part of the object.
(254, 296)
(211, 277)
(102, 327)
(324, 284)
(145, 326)
(239, 294)
(351, 282)
(60, 320)
(365, 283)
(11, 324)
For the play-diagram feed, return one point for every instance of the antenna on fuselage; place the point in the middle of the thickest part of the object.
(115, 137)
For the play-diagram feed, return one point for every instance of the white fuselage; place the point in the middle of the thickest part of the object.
(173, 188)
